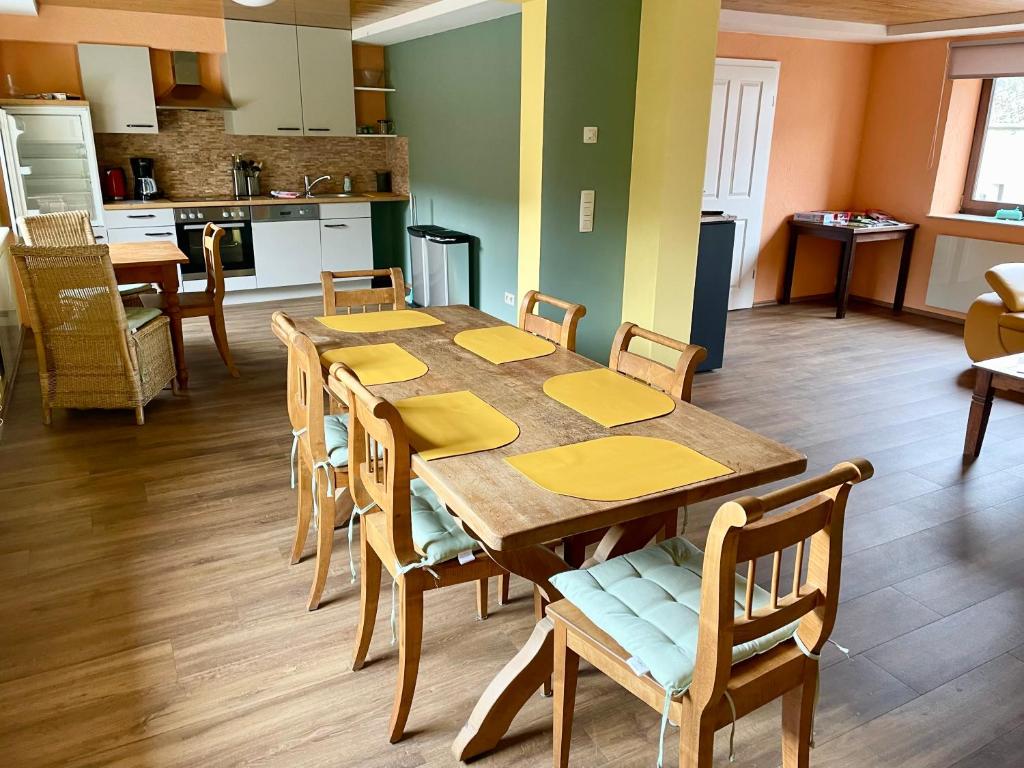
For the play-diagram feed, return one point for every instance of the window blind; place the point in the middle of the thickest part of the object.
(989, 58)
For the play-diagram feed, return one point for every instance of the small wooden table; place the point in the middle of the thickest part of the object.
(156, 262)
(511, 516)
(850, 237)
(1005, 373)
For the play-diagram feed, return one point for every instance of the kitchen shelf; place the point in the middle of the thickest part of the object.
(374, 90)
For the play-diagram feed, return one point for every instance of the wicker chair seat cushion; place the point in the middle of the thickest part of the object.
(649, 602)
(139, 316)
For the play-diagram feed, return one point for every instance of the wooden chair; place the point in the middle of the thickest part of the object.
(677, 382)
(390, 501)
(720, 691)
(208, 303)
(92, 352)
(70, 228)
(393, 297)
(564, 333)
(319, 450)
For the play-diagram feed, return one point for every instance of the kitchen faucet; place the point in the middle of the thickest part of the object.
(310, 184)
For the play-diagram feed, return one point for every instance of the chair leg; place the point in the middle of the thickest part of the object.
(798, 721)
(47, 414)
(481, 599)
(324, 545)
(410, 638)
(369, 595)
(567, 667)
(503, 584)
(140, 415)
(305, 511)
(220, 338)
(696, 738)
(539, 606)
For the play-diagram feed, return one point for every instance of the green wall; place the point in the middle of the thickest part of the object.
(457, 100)
(590, 79)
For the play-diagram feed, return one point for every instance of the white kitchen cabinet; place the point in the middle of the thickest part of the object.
(346, 244)
(287, 253)
(118, 82)
(141, 235)
(261, 76)
(325, 76)
(139, 217)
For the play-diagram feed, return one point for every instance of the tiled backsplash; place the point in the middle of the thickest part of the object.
(193, 156)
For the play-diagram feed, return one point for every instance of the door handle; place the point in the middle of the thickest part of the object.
(158, 234)
(288, 129)
(336, 226)
(139, 125)
(318, 129)
(141, 215)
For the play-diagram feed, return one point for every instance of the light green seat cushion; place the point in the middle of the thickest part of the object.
(649, 602)
(435, 532)
(336, 434)
(133, 289)
(139, 316)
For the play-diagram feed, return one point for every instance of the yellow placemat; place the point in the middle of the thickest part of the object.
(617, 468)
(369, 322)
(377, 363)
(454, 423)
(607, 397)
(503, 344)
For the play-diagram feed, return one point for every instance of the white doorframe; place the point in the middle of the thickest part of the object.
(739, 151)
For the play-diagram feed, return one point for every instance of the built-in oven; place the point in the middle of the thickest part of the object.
(236, 252)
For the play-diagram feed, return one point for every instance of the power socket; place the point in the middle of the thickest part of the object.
(510, 299)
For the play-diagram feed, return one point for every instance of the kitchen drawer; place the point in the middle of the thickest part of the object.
(287, 253)
(346, 244)
(100, 233)
(143, 217)
(141, 234)
(344, 210)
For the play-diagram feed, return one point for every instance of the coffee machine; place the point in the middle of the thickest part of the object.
(145, 179)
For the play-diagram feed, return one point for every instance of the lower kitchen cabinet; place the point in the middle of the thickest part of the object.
(287, 253)
(140, 235)
(346, 244)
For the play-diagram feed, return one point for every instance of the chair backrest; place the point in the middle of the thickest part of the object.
(66, 228)
(392, 297)
(212, 235)
(76, 312)
(563, 333)
(677, 382)
(379, 458)
(740, 533)
(305, 385)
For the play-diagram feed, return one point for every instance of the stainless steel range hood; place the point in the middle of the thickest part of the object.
(188, 91)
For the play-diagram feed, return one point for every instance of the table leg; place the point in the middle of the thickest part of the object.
(787, 280)
(981, 407)
(843, 278)
(169, 287)
(901, 281)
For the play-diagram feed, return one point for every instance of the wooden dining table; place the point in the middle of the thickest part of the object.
(156, 262)
(513, 518)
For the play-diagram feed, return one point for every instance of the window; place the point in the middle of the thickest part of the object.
(995, 175)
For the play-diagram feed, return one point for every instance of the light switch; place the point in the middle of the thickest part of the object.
(587, 210)
(590, 134)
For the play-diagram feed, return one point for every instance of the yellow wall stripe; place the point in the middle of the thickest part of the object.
(531, 142)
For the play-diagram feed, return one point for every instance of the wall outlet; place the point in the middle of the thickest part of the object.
(510, 299)
(590, 134)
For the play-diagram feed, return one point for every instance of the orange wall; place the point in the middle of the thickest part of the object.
(819, 117)
(63, 24)
(901, 173)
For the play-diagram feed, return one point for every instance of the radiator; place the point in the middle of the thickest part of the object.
(958, 269)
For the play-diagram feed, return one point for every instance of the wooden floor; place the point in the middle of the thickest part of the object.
(149, 617)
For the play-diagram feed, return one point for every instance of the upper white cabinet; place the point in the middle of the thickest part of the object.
(118, 82)
(325, 75)
(261, 74)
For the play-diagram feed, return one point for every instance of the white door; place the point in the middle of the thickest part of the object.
(286, 253)
(118, 82)
(736, 170)
(261, 73)
(325, 75)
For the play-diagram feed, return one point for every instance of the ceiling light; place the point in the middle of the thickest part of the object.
(254, 3)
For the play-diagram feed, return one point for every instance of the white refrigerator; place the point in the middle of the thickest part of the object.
(49, 161)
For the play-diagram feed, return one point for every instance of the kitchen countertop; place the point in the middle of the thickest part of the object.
(360, 197)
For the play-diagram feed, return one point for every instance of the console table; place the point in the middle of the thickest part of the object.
(850, 237)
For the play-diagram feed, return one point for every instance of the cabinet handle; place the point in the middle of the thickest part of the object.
(141, 216)
(336, 226)
(289, 129)
(158, 234)
(140, 125)
(318, 129)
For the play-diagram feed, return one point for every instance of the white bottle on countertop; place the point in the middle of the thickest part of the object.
(347, 184)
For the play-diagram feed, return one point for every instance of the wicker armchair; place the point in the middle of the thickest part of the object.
(73, 228)
(92, 352)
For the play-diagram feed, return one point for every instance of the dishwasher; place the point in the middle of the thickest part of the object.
(286, 244)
